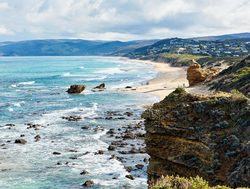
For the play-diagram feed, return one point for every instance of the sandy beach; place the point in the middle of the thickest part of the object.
(166, 81)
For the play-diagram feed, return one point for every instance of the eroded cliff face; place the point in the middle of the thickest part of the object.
(190, 135)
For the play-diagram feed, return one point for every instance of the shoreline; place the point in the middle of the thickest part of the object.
(168, 78)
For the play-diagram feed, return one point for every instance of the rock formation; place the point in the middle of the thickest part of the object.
(76, 89)
(196, 75)
(189, 135)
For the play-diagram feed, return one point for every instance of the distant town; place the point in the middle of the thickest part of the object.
(216, 48)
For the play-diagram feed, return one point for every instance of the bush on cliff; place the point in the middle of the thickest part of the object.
(171, 182)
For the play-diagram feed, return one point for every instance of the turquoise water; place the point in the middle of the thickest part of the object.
(32, 90)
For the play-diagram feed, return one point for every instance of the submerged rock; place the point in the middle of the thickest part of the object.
(76, 89)
(88, 183)
(189, 135)
(20, 141)
(100, 87)
(72, 118)
(84, 172)
(56, 153)
(130, 177)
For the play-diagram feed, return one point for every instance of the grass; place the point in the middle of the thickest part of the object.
(183, 57)
(171, 182)
(241, 74)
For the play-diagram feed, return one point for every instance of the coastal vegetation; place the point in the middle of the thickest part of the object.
(171, 182)
(237, 76)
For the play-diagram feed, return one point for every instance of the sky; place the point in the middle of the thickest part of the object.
(121, 19)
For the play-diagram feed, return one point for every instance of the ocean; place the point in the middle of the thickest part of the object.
(33, 102)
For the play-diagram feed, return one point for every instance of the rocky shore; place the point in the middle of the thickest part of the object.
(125, 143)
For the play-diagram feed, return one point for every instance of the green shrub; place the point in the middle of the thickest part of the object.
(171, 182)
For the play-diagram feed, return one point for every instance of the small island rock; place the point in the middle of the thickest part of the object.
(76, 89)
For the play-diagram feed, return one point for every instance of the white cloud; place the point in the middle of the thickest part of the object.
(5, 31)
(4, 6)
(123, 19)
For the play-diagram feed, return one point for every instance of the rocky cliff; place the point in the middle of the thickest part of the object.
(190, 135)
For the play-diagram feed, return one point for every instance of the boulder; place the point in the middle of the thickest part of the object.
(76, 89)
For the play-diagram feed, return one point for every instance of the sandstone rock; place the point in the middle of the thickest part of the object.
(196, 75)
(189, 135)
(76, 89)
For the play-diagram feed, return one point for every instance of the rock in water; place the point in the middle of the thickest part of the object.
(189, 135)
(20, 141)
(100, 87)
(76, 89)
(88, 183)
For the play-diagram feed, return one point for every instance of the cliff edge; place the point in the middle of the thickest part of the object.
(209, 136)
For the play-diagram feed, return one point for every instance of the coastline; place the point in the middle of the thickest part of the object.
(168, 78)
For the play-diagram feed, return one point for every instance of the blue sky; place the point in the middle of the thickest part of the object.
(121, 19)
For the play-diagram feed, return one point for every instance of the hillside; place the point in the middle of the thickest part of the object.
(224, 37)
(68, 47)
(231, 47)
(236, 76)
